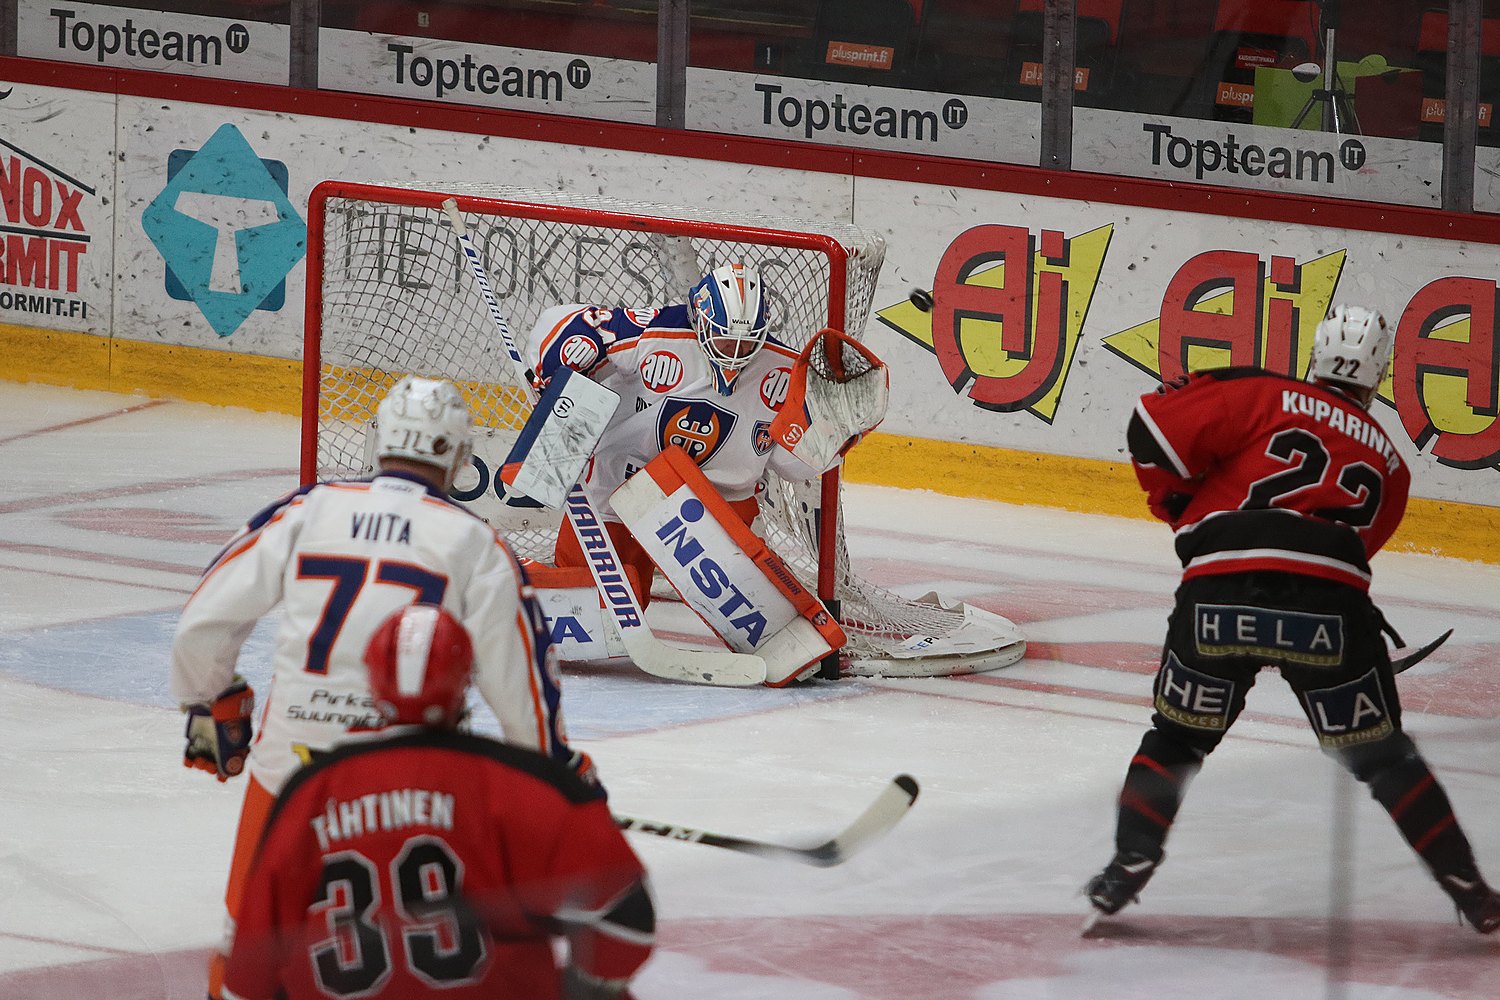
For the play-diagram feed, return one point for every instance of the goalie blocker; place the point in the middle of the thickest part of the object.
(559, 438)
(723, 570)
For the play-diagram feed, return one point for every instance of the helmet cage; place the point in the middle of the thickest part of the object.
(729, 312)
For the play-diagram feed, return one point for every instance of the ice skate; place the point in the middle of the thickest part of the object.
(1118, 884)
(1476, 901)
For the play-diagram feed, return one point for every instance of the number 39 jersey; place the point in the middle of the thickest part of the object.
(435, 863)
(669, 396)
(339, 558)
(1258, 471)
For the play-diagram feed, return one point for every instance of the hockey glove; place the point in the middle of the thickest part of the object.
(218, 735)
(583, 766)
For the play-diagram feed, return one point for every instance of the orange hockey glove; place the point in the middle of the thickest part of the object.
(218, 735)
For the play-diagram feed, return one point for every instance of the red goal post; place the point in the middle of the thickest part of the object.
(389, 294)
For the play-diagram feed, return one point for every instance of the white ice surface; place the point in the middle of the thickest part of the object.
(1283, 881)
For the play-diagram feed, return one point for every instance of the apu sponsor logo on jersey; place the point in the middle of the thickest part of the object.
(709, 577)
(661, 371)
(760, 437)
(578, 352)
(696, 426)
(774, 386)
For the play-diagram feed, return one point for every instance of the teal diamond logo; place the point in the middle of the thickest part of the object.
(226, 229)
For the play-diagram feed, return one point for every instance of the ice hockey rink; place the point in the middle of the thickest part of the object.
(1283, 879)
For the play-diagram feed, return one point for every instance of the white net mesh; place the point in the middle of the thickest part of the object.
(396, 298)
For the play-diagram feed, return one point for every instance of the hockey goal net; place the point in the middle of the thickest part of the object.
(389, 294)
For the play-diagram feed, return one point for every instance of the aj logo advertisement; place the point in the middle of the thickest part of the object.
(1009, 308)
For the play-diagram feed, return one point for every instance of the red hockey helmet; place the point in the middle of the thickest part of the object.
(419, 661)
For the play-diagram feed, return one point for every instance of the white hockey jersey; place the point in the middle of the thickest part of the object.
(340, 557)
(669, 394)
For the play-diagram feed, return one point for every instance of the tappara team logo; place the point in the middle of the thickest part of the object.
(661, 371)
(760, 437)
(1009, 308)
(696, 426)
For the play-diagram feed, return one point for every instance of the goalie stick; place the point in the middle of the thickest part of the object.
(696, 666)
(1405, 660)
(879, 817)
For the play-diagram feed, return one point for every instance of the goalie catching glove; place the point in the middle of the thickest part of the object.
(839, 392)
(218, 734)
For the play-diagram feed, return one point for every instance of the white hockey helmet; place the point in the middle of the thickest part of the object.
(1352, 350)
(425, 420)
(729, 315)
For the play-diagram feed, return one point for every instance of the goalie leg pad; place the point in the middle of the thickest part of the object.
(723, 570)
(568, 554)
(575, 612)
(218, 734)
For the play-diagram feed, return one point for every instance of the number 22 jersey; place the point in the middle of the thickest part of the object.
(1258, 471)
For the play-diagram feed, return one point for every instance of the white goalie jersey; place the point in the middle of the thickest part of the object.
(668, 396)
(339, 557)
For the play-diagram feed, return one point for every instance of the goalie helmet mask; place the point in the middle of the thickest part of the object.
(425, 420)
(729, 316)
(419, 661)
(1352, 350)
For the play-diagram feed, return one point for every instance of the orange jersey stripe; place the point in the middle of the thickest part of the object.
(544, 736)
(245, 545)
(552, 334)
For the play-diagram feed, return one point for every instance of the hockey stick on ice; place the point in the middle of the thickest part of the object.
(1404, 660)
(705, 666)
(880, 816)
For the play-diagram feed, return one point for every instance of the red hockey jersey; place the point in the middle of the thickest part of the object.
(1258, 471)
(437, 863)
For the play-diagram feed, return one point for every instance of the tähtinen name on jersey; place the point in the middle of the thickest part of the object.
(382, 811)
